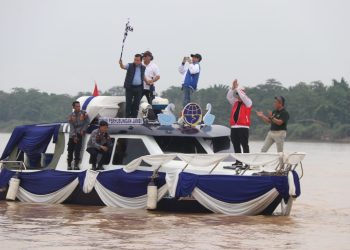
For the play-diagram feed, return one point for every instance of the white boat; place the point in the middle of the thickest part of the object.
(153, 164)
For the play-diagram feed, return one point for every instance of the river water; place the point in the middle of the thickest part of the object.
(320, 218)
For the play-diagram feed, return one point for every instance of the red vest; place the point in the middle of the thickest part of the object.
(243, 117)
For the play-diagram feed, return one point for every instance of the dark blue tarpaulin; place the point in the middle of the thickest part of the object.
(128, 184)
(234, 189)
(31, 139)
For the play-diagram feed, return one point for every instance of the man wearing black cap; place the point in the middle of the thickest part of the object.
(278, 120)
(151, 76)
(190, 69)
(99, 144)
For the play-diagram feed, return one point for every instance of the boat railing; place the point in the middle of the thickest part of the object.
(21, 164)
(291, 161)
(281, 162)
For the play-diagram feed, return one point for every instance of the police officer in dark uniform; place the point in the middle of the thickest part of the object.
(78, 122)
(100, 143)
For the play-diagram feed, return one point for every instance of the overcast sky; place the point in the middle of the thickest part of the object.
(62, 46)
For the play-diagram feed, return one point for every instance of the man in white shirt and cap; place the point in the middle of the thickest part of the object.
(190, 69)
(151, 76)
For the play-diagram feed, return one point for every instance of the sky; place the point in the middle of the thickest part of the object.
(63, 46)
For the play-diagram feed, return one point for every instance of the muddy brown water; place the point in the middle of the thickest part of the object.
(320, 218)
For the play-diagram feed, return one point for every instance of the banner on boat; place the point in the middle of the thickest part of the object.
(122, 121)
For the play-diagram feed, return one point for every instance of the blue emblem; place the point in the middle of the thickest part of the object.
(192, 114)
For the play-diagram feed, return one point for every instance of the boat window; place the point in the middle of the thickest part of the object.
(128, 149)
(177, 144)
(218, 144)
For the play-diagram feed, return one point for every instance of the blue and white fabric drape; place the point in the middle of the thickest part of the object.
(234, 195)
(115, 188)
(46, 186)
(237, 195)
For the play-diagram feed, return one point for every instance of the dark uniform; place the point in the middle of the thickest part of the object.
(78, 122)
(98, 139)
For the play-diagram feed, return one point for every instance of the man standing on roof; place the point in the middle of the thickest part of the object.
(133, 84)
(190, 69)
(240, 118)
(151, 76)
(100, 143)
(278, 120)
(78, 122)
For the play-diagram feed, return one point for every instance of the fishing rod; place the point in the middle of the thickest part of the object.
(128, 28)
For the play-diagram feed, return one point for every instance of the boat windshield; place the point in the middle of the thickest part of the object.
(128, 149)
(177, 144)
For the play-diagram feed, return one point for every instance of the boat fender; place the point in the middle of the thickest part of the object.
(13, 189)
(152, 196)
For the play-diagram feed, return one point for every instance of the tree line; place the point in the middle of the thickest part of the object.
(317, 111)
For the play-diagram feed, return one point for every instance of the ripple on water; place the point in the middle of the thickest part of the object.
(31, 226)
(320, 219)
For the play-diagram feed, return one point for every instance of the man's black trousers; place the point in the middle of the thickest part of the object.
(240, 138)
(74, 147)
(133, 97)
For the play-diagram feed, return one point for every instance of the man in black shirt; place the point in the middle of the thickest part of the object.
(278, 120)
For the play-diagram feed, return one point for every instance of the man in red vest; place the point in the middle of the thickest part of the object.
(240, 118)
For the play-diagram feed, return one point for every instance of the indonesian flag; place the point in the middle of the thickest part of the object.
(95, 92)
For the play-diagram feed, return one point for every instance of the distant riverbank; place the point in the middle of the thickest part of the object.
(7, 127)
(318, 112)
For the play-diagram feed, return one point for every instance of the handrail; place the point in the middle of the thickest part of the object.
(301, 167)
(21, 163)
(282, 160)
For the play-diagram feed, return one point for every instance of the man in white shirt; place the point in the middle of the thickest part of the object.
(151, 76)
(190, 69)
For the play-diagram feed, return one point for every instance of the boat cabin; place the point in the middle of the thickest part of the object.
(132, 138)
